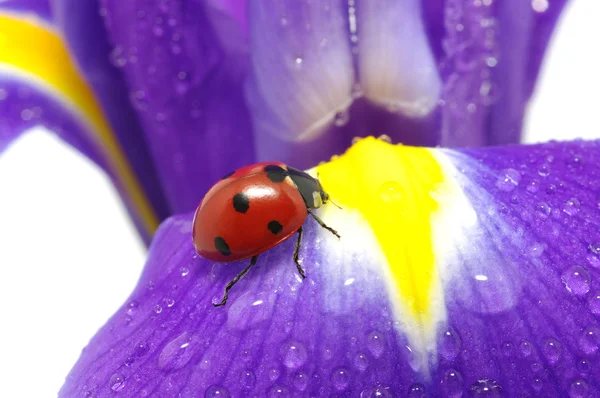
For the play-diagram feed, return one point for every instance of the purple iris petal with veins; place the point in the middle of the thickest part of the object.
(488, 286)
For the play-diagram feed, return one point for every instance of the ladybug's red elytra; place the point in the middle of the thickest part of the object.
(254, 209)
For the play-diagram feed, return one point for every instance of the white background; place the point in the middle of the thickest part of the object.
(69, 256)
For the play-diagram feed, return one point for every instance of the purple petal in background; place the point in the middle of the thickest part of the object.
(39, 8)
(185, 63)
(492, 54)
(518, 272)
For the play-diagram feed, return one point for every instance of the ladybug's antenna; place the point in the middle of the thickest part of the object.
(335, 204)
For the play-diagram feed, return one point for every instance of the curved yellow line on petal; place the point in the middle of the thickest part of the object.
(391, 186)
(30, 48)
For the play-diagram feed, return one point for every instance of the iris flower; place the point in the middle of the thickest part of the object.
(470, 269)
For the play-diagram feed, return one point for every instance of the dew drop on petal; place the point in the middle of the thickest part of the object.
(217, 392)
(341, 118)
(579, 389)
(416, 391)
(507, 348)
(486, 388)
(376, 392)
(274, 374)
(361, 362)
(595, 247)
(140, 349)
(184, 271)
(543, 209)
(544, 170)
(571, 206)
(391, 192)
(593, 303)
(508, 180)
(132, 307)
(375, 344)
(293, 354)
(593, 260)
(533, 186)
(177, 353)
(576, 280)
(552, 350)
(158, 308)
(450, 344)
(247, 379)
(117, 382)
(526, 348)
(301, 381)
(537, 384)
(452, 384)
(340, 378)
(278, 392)
(589, 340)
(584, 366)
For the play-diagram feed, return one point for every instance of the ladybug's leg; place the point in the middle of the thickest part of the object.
(296, 250)
(322, 224)
(235, 280)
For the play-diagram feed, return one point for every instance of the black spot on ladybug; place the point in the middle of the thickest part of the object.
(274, 227)
(226, 176)
(222, 246)
(241, 203)
(275, 173)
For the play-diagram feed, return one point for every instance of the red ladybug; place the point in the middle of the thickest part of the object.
(254, 209)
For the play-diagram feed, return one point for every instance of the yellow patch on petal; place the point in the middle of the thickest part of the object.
(391, 186)
(30, 49)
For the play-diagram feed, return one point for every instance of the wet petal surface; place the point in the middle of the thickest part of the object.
(458, 273)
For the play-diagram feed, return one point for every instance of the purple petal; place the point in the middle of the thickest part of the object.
(491, 61)
(40, 84)
(185, 64)
(39, 8)
(516, 249)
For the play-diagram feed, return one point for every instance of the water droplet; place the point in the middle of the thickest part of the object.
(579, 389)
(169, 302)
(278, 392)
(301, 381)
(217, 392)
(141, 349)
(533, 186)
(391, 192)
(593, 260)
(340, 377)
(274, 374)
(537, 384)
(26, 114)
(376, 392)
(576, 280)
(507, 348)
(543, 209)
(544, 170)
(293, 354)
(536, 367)
(452, 384)
(177, 353)
(594, 303)
(375, 344)
(184, 271)
(584, 366)
(117, 382)
(299, 61)
(589, 341)
(341, 118)
(117, 57)
(450, 344)
(595, 247)
(526, 348)
(129, 361)
(508, 180)
(361, 362)
(486, 388)
(416, 391)
(571, 206)
(247, 379)
(539, 5)
(249, 310)
(132, 307)
(158, 308)
(552, 350)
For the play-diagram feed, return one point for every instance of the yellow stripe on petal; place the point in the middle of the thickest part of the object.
(391, 185)
(393, 188)
(32, 50)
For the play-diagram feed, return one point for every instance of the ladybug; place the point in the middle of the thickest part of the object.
(254, 209)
